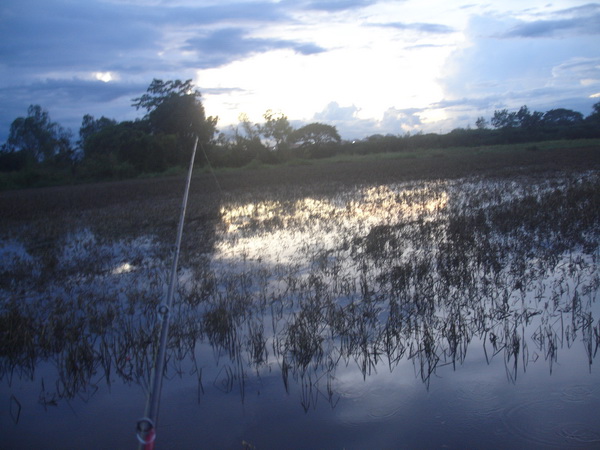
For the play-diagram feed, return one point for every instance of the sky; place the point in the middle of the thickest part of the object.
(365, 66)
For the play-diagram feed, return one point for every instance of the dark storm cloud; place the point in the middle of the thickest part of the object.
(49, 50)
(257, 12)
(227, 45)
(583, 20)
(77, 90)
(66, 100)
(70, 35)
(94, 35)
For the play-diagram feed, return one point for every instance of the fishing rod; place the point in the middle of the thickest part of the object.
(146, 426)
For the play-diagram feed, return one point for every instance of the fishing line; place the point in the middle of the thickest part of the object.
(146, 426)
(211, 169)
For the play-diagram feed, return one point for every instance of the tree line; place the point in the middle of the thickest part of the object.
(39, 151)
(504, 127)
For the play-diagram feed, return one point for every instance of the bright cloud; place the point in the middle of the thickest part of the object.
(365, 66)
(103, 76)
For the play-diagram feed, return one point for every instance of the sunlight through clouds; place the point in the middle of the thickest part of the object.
(369, 65)
(439, 64)
(103, 76)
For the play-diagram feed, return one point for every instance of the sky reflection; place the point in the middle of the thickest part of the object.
(372, 315)
(274, 231)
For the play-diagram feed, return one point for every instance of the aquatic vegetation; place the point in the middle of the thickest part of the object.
(306, 283)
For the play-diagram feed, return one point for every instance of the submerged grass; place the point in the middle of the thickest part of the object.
(300, 280)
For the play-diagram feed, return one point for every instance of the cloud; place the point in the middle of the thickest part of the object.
(541, 71)
(222, 91)
(81, 91)
(333, 112)
(62, 36)
(226, 45)
(583, 20)
(69, 35)
(337, 5)
(396, 120)
(226, 12)
(429, 28)
(351, 126)
(51, 50)
(300, 54)
(577, 70)
(346, 120)
(69, 101)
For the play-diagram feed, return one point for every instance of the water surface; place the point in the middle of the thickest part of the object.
(455, 313)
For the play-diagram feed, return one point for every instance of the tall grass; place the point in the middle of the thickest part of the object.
(299, 282)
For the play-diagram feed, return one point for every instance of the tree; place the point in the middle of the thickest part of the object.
(562, 117)
(160, 90)
(523, 116)
(126, 148)
(316, 137)
(91, 126)
(528, 120)
(316, 134)
(251, 131)
(594, 117)
(276, 128)
(40, 139)
(481, 123)
(504, 119)
(174, 107)
(10, 160)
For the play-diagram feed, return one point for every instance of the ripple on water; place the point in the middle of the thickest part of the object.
(566, 420)
(479, 400)
(373, 403)
(580, 393)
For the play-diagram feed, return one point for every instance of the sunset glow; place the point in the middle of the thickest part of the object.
(366, 67)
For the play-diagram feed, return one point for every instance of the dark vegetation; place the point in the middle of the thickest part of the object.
(511, 264)
(506, 257)
(40, 152)
(507, 261)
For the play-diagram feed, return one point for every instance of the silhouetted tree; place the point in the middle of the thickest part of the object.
(91, 126)
(316, 134)
(481, 123)
(528, 120)
(317, 138)
(276, 129)
(39, 139)
(252, 131)
(562, 117)
(11, 160)
(594, 117)
(504, 119)
(126, 148)
(174, 107)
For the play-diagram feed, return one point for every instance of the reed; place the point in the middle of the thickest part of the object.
(302, 281)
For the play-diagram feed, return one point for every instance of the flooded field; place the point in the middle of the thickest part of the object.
(459, 313)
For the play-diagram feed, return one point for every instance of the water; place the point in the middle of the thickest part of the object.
(456, 313)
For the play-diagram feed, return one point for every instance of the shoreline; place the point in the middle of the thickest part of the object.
(151, 201)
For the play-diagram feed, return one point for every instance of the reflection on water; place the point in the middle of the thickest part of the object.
(482, 290)
(278, 229)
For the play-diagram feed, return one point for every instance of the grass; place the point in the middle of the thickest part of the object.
(498, 150)
(397, 259)
(423, 163)
(458, 161)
